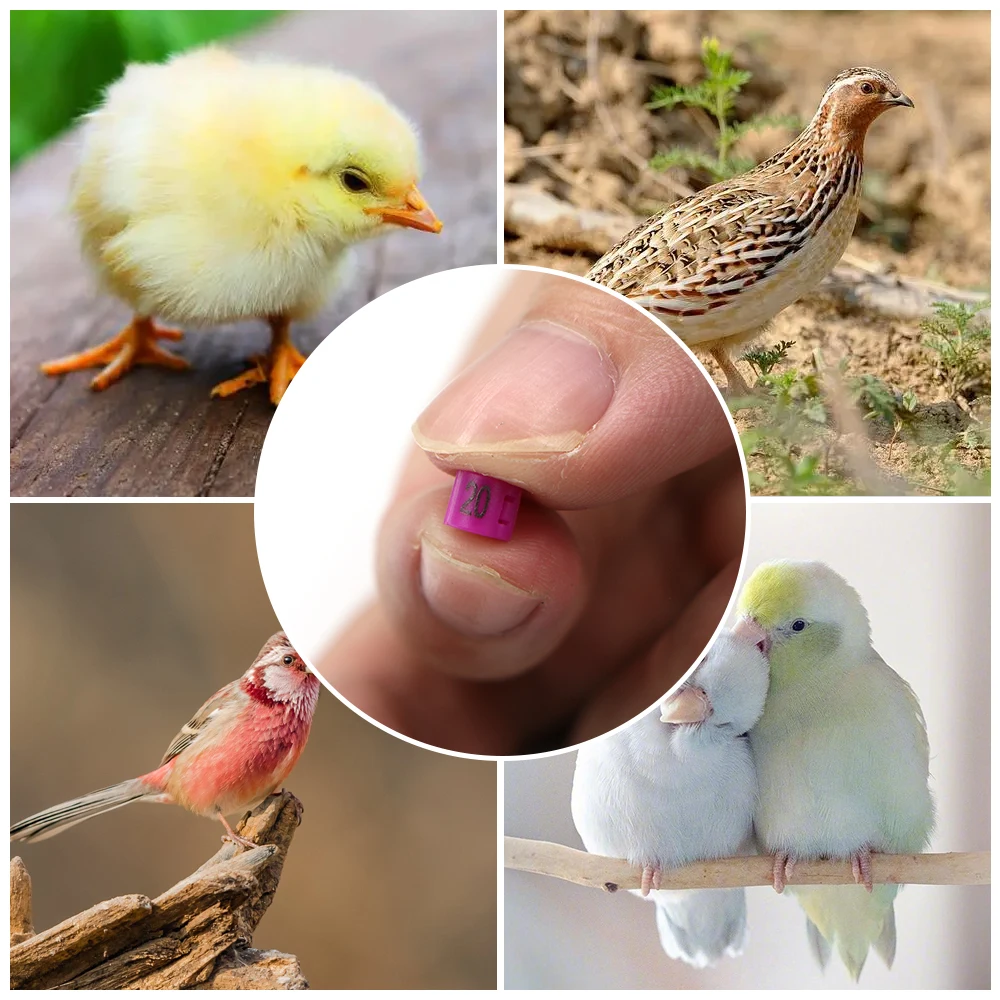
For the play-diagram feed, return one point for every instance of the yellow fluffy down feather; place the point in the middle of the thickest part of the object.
(212, 189)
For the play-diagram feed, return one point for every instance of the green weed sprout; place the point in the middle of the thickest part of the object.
(959, 348)
(716, 94)
(763, 359)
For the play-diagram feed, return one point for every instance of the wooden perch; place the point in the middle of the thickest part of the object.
(196, 934)
(21, 927)
(853, 284)
(612, 874)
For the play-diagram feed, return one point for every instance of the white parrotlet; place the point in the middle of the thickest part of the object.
(677, 786)
(841, 753)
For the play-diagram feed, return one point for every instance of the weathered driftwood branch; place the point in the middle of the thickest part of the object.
(561, 226)
(196, 934)
(611, 874)
(21, 927)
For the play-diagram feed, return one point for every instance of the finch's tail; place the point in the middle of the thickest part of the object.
(54, 820)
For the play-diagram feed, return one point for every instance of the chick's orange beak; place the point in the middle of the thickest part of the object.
(414, 213)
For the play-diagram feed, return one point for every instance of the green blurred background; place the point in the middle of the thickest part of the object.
(124, 619)
(61, 60)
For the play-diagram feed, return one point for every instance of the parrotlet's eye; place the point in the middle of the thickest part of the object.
(288, 660)
(355, 181)
(866, 88)
(798, 625)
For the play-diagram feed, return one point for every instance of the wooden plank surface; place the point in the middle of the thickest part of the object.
(157, 433)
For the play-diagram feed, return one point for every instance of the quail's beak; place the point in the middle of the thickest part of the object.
(688, 706)
(750, 631)
(899, 100)
(413, 213)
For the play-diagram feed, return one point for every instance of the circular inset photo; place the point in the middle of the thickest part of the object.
(519, 559)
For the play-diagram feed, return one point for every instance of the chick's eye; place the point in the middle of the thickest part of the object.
(798, 625)
(867, 88)
(355, 181)
(288, 660)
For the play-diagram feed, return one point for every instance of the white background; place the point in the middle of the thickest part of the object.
(337, 443)
(922, 570)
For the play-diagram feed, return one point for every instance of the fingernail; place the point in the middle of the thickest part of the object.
(539, 391)
(473, 600)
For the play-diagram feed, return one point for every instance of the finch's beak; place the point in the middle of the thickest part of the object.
(688, 706)
(414, 213)
(750, 631)
(900, 100)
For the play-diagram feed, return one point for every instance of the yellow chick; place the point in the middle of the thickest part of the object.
(213, 189)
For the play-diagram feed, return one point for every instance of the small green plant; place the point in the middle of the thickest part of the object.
(794, 445)
(763, 359)
(716, 94)
(948, 475)
(788, 469)
(975, 438)
(796, 396)
(789, 441)
(875, 399)
(960, 348)
(878, 402)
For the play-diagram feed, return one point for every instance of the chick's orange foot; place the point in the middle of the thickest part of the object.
(134, 345)
(278, 367)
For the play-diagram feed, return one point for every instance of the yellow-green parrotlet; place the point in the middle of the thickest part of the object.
(841, 753)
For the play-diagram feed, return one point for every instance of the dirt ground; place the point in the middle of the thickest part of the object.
(576, 127)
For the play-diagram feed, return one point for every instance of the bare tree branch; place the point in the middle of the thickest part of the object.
(196, 934)
(611, 874)
(21, 927)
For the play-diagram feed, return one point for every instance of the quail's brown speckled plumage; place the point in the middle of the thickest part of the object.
(717, 266)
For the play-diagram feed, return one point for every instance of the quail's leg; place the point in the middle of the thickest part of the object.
(735, 383)
(277, 367)
(234, 837)
(134, 345)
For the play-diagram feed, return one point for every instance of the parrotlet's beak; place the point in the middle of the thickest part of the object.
(750, 631)
(413, 213)
(688, 706)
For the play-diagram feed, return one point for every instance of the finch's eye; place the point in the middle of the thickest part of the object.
(288, 660)
(798, 625)
(355, 181)
(866, 88)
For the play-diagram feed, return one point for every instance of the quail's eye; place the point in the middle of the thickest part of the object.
(355, 181)
(867, 88)
(798, 625)
(288, 660)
